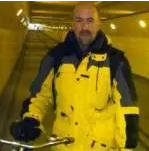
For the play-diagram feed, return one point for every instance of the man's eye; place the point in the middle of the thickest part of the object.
(90, 20)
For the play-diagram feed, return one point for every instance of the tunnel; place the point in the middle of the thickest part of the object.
(29, 29)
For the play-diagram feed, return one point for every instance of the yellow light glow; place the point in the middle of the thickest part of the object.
(113, 27)
(142, 23)
(22, 20)
(19, 12)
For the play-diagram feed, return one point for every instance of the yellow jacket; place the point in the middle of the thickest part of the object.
(93, 93)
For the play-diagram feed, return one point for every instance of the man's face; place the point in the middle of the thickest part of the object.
(85, 24)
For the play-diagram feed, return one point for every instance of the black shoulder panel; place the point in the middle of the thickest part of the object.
(116, 56)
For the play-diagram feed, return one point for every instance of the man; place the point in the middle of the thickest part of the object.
(89, 83)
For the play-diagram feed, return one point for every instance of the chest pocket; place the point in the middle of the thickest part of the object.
(66, 72)
(68, 64)
(66, 68)
(65, 82)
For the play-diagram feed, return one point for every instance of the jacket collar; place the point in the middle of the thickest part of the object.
(99, 45)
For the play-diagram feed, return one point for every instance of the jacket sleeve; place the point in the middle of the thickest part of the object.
(41, 91)
(127, 111)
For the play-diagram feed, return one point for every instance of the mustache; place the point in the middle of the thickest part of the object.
(85, 32)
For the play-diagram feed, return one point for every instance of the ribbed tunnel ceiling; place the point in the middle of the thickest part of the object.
(60, 12)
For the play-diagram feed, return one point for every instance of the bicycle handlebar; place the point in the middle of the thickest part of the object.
(52, 141)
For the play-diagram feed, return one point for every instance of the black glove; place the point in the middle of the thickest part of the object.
(25, 130)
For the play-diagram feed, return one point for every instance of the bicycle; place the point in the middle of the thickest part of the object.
(52, 140)
(22, 147)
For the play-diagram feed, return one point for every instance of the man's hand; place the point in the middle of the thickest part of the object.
(26, 129)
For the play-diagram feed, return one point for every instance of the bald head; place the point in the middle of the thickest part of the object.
(87, 7)
(85, 22)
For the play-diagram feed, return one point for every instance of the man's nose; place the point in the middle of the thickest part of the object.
(84, 25)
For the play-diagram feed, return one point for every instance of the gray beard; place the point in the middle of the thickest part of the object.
(83, 47)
